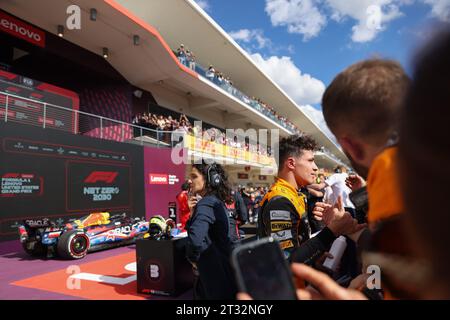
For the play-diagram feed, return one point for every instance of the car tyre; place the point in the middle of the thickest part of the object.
(73, 244)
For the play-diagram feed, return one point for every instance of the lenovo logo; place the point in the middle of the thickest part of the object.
(21, 30)
(101, 176)
(159, 178)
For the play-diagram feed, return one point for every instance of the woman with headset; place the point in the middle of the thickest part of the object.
(209, 245)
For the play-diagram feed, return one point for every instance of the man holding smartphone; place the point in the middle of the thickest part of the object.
(283, 208)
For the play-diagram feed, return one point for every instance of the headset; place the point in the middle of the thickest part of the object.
(214, 178)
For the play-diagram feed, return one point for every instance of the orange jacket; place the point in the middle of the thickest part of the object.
(383, 187)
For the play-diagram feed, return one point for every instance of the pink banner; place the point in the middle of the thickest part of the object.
(163, 180)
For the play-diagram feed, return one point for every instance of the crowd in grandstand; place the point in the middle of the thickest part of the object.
(186, 57)
(268, 110)
(167, 124)
(170, 124)
(162, 123)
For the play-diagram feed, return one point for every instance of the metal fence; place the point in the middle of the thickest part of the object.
(18, 109)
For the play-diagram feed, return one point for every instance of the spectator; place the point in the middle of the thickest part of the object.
(368, 142)
(246, 197)
(181, 54)
(258, 196)
(339, 188)
(237, 215)
(183, 207)
(161, 125)
(219, 78)
(191, 59)
(211, 73)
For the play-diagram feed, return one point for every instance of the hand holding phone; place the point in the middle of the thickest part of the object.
(262, 271)
(192, 202)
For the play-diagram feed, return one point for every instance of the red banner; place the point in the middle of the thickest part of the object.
(21, 30)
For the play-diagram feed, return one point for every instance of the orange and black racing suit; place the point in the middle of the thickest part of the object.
(281, 218)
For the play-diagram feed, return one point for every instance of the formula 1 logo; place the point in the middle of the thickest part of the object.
(101, 176)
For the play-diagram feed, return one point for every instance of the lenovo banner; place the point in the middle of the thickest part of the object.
(22, 30)
(163, 180)
(47, 173)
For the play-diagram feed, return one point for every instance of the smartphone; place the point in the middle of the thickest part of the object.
(360, 199)
(262, 271)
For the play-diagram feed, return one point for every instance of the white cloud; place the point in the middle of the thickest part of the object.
(371, 16)
(247, 36)
(317, 117)
(204, 4)
(440, 9)
(309, 17)
(302, 88)
(300, 16)
(255, 40)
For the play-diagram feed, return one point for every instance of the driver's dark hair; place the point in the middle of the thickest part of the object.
(223, 191)
(293, 146)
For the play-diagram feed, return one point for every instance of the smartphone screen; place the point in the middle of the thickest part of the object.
(262, 271)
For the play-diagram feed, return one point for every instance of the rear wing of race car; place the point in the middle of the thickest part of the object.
(37, 223)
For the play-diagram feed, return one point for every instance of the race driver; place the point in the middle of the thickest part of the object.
(283, 207)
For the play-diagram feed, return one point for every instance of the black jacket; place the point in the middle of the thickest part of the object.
(241, 208)
(209, 246)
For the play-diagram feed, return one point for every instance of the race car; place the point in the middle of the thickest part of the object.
(75, 239)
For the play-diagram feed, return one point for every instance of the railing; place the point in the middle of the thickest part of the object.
(19, 109)
(236, 93)
(23, 110)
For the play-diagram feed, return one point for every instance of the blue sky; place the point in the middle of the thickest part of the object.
(305, 43)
